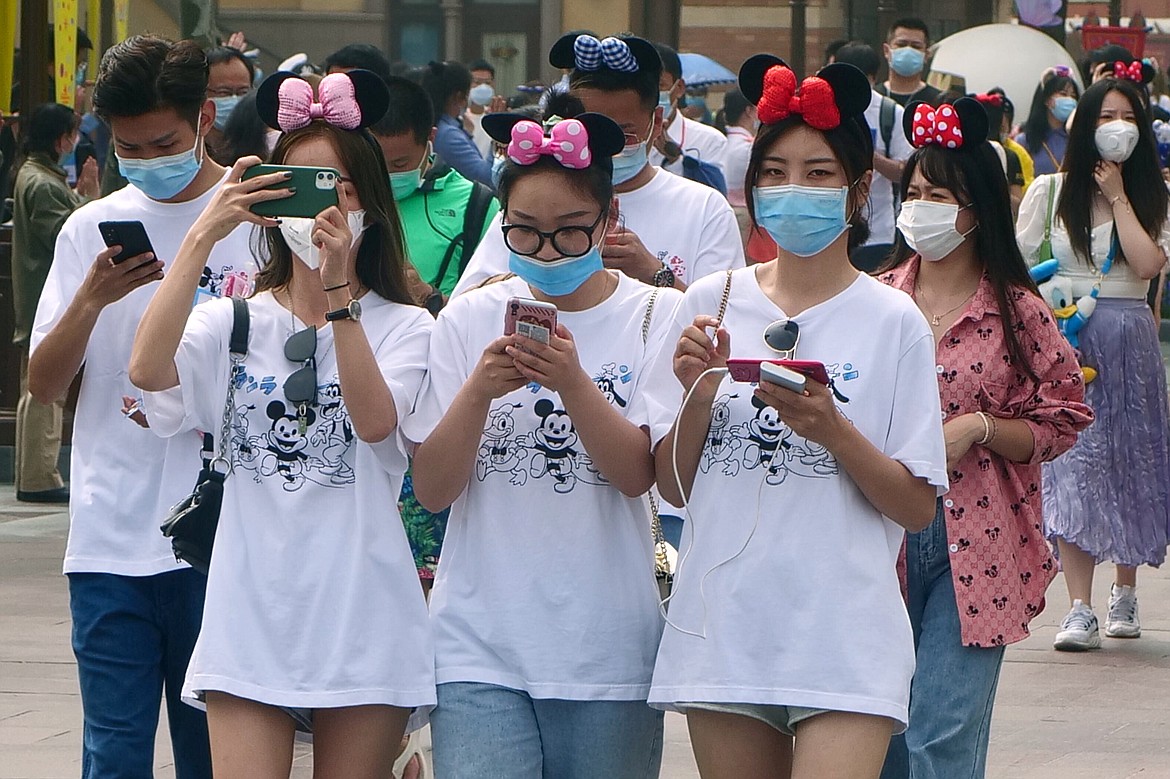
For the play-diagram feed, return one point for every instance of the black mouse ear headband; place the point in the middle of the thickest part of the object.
(586, 53)
(836, 93)
(349, 101)
(1137, 71)
(959, 126)
(574, 143)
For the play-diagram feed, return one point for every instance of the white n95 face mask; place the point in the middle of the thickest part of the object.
(297, 232)
(929, 228)
(1116, 140)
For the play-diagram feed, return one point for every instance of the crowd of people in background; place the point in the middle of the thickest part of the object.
(964, 301)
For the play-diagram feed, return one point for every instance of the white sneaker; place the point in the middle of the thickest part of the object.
(1078, 630)
(1123, 621)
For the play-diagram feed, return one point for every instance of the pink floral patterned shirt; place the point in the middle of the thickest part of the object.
(1000, 561)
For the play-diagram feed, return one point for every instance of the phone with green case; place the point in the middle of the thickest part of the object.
(316, 190)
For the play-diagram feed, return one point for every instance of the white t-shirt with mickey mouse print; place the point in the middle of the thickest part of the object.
(688, 226)
(546, 583)
(123, 478)
(312, 598)
(810, 612)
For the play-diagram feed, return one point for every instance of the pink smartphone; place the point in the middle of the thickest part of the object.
(748, 371)
(530, 318)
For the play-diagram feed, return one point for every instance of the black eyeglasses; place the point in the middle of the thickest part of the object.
(783, 336)
(300, 388)
(571, 241)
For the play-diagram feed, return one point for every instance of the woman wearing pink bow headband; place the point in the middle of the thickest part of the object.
(314, 615)
(545, 606)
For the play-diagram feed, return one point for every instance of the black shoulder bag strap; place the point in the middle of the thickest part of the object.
(237, 351)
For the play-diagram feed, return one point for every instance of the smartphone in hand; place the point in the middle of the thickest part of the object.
(316, 190)
(130, 235)
(530, 318)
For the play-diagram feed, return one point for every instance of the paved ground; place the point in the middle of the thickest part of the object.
(1104, 715)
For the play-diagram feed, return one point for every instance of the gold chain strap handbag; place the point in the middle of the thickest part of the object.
(662, 571)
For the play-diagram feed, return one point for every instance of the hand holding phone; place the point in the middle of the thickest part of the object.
(130, 235)
(314, 190)
(109, 281)
(750, 371)
(530, 318)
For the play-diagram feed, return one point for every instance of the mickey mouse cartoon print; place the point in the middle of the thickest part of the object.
(554, 444)
(283, 446)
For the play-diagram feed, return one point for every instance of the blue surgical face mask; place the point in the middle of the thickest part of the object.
(223, 109)
(629, 163)
(558, 277)
(802, 220)
(907, 61)
(1063, 107)
(161, 178)
(664, 103)
(481, 95)
(405, 183)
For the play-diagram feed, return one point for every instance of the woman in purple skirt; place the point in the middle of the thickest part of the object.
(1105, 213)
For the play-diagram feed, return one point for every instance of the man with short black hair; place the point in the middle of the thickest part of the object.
(890, 147)
(136, 611)
(443, 214)
(905, 49)
(682, 135)
(482, 99)
(358, 56)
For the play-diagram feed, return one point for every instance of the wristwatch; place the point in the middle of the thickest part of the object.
(352, 311)
(663, 277)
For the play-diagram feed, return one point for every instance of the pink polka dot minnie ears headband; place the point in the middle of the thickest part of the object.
(349, 101)
(574, 143)
(961, 126)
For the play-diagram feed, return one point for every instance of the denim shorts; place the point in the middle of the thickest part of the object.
(783, 718)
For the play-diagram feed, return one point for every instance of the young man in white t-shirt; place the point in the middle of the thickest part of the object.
(670, 231)
(136, 612)
(681, 134)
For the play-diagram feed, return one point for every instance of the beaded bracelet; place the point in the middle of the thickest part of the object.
(986, 439)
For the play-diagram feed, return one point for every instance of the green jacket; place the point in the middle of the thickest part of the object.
(432, 219)
(42, 203)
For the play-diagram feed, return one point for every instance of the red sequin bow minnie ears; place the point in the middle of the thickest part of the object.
(939, 126)
(567, 143)
(813, 99)
(837, 94)
(1130, 72)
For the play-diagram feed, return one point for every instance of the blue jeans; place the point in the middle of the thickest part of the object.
(133, 636)
(481, 731)
(954, 685)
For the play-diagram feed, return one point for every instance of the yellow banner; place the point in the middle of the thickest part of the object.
(93, 26)
(121, 20)
(65, 44)
(7, 52)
